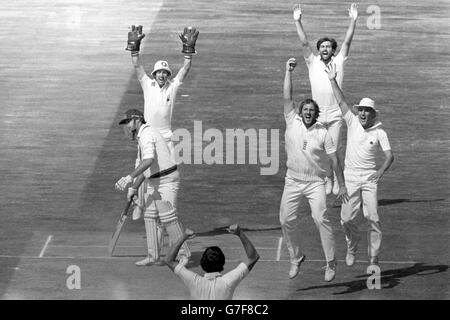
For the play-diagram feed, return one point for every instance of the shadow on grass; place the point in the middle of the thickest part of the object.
(388, 202)
(389, 278)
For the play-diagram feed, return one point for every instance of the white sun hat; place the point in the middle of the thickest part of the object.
(161, 65)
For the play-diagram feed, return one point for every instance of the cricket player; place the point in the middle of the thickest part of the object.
(158, 88)
(365, 136)
(330, 114)
(213, 285)
(308, 146)
(160, 193)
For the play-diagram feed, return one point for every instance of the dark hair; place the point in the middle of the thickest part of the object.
(333, 42)
(212, 260)
(309, 101)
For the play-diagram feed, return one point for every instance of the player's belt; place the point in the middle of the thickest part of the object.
(164, 172)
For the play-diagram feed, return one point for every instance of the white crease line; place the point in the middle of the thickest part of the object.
(280, 243)
(133, 258)
(49, 238)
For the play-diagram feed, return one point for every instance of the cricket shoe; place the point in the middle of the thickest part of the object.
(330, 271)
(295, 267)
(350, 259)
(149, 261)
(328, 185)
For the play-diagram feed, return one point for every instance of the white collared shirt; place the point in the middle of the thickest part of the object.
(151, 145)
(321, 89)
(212, 286)
(363, 144)
(306, 149)
(159, 102)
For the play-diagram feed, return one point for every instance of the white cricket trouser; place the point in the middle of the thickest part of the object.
(166, 190)
(334, 130)
(361, 191)
(314, 192)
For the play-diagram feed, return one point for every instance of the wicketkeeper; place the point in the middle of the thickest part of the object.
(160, 192)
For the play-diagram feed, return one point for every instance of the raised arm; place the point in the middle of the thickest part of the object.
(138, 67)
(188, 39)
(331, 71)
(287, 86)
(182, 73)
(250, 250)
(173, 250)
(306, 47)
(353, 13)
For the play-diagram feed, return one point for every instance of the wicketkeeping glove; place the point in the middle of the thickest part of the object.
(134, 38)
(189, 37)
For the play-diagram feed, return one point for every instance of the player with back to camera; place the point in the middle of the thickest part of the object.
(365, 136)
(213, 285)
(308, 147)
(330, 114)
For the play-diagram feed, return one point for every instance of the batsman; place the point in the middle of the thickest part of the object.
(160, 192)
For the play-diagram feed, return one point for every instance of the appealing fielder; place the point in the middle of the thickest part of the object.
(330, 114)
(365, 136)
(160, 192)
(307, 146)
(213, 285)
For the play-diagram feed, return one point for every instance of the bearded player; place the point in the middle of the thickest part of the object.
(330, 114)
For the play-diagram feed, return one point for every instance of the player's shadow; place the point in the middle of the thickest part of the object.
(389, 278)
(388, 202)
(223, 230)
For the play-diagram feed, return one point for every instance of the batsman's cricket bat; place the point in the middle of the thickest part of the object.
(120, 223)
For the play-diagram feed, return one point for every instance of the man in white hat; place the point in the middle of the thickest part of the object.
(365, 136)
(330, 114)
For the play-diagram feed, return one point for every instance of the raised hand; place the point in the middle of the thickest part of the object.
(189, 38)
(291, 64)
(134, 38)
(297, 12)
(331, 71)
(234, 229)
(353, 11)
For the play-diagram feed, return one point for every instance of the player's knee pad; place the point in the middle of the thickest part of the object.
(168, 217)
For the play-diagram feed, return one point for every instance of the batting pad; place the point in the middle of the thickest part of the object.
(175, 231)
(151, 232)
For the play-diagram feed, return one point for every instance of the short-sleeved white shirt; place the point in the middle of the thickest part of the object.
(306, 148)
(151, 145)
(321, 89)
(159, 102)
(363, 144)
(212, 286)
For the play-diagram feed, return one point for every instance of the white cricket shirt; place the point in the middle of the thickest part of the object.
(159, 102)
(363, 144)
(212, 286)
(321, 89)
(151, 145)
(306, 149)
